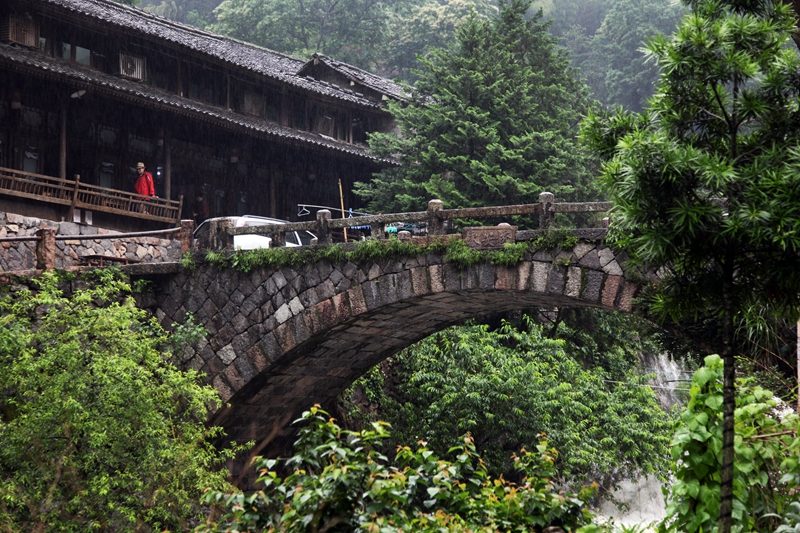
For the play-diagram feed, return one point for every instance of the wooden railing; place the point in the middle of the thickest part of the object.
(221, 233)
(78, 195)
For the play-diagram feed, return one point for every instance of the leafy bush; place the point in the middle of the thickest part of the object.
(337, 481)
(97, 430)
(766, 466)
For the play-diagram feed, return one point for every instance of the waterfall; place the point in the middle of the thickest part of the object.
(643, 496)
(644, 499)
(670, 379)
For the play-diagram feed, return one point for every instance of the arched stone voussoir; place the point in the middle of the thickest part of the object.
(284, 339)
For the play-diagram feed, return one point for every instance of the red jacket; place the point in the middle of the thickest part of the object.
(144, 185)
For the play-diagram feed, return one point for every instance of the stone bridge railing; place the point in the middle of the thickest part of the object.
(29, 244)
(221, 233)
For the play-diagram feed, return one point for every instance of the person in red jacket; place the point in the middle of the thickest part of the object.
(144, 185)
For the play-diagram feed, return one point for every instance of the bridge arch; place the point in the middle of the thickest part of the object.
(284, 338)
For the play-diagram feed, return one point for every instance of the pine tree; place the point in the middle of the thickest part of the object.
(706, 186)
(491, 121)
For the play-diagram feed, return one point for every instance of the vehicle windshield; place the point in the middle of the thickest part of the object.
(305, 237)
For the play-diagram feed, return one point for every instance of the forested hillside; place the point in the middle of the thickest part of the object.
(603, 37)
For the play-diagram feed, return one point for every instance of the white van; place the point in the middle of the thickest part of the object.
(251, 242)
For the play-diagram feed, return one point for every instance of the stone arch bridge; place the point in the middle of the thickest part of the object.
(282, 339)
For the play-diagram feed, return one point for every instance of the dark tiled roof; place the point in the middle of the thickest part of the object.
(373, 81)
(94, 80)
(259, 60)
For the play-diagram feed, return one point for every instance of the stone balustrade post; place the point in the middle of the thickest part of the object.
(278, 239)
(435, 224)
(46, 249)
(376, 230)
(606, 222)
(218, 238)
(546, 215)
(323, 231)
(186, 236)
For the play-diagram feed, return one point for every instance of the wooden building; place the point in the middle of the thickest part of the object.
(89, 88)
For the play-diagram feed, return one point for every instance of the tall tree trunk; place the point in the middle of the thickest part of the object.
(725, 520)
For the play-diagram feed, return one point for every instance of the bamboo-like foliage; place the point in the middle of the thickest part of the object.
(706, 182)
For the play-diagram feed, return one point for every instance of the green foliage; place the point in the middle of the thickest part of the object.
(337, 481)
(555, 239)
(352, 30)
(605, 38)
(374, 250)
(791, 521)
(97, 430)
(723, 125)
(419, 25)
(611, 340)
(767, 467)
(490, 121)
(507, 387)
(706, 184)
(188, 262)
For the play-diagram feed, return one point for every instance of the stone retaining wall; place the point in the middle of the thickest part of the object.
(21, 255)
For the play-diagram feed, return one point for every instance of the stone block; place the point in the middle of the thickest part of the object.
(556, 280)
(505, 278)
(283, 314)
(540, 274)
(357, 304)
(452, 278)
(606, 255)
(543, 255)
(486, 275)
(341, 305)
(374, 272)
(326, 313)
(227, 354)
(437, 278)
(590, 260)
(336, 276)
(573, 288)
(612, 268)
(296, 305)
(225, 392)
(279, 279)
(523, 275)
(372, 296)
(257, 359)
(309, 298)
(300, 330)
(594, 282)
(387, 288)
(233, 378)
(225, 335)
(610, 288)
(625, 302)
(419, 280)
(583, 248)
(285, 337)
(270, 347)
(405, 286)
(241, 343)
(240, 323)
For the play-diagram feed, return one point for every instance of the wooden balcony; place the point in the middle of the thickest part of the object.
(77, 195)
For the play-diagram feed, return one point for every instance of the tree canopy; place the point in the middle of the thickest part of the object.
(507, 387)
(349, 30)
(705, 182)
(492, 120)
(98, 431)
